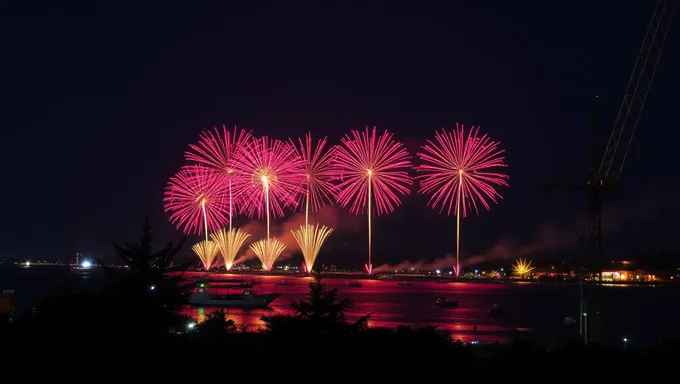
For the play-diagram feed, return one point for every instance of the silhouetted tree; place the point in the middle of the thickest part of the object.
(217, 324)
(148, 289)
(141, 258)
(323, 312)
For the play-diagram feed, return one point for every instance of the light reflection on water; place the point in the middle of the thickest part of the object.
(391, 305)
(641, 314)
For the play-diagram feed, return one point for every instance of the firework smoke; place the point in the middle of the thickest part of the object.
(551, 236)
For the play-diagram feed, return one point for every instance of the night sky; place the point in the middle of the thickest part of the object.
(100, 101)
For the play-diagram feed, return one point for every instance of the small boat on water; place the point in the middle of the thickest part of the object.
(246, 284)
(247, 299)
(354, 284)
(403, 282)
(445, 302)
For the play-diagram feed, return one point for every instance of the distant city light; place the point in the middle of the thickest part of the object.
(438, 271)
(191, 326)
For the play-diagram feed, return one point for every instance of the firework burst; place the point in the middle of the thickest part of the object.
(319, 171)
(522, 268)
(197, 200)
(457, 173)
(311, 238)
(373, 168)
(268, 250)
(206, 250)
(218, 150)
(274, 176)
(229, 243)
(318, 190)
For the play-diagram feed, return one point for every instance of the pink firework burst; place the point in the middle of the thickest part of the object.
(457, 173)
(319, 172)
(273, 173)
(367, 159)
(373, 167)
(197, 199)
(456, 165)
(218, 150)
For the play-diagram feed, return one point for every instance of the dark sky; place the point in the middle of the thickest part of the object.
(99, 102)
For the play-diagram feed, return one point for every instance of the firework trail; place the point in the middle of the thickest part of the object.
(457, 173)
(196, 199)
(229, 243)
(318, 190)
(206, 250)
(218, 150)
(276, 175)
(374, 168)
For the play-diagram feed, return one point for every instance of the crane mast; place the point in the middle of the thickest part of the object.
(635, 96)
(605, 172)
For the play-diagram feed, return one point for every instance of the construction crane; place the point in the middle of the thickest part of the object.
(605, 172)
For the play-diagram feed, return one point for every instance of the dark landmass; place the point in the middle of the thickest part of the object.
(134, 330)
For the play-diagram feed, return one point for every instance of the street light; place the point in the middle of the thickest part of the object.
(625, 343)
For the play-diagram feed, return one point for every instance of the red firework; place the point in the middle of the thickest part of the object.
(456, 165)
(269, 165)
(372, 168)
(196, 198)
(319, 172)
(366, 158)
(218, 150)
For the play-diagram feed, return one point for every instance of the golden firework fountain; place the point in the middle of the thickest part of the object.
(267, 250)
(206, 250)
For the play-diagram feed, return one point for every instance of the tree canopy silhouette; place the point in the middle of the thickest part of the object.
(141, 258)
(323, 312)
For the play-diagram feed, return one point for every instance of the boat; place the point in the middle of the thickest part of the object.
(403, 283)
(82, 265)
(445, 302)
(246, 284)
(496, 311)
(354, 284)
(247, 299)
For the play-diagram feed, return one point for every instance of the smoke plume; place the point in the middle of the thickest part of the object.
(551, 236)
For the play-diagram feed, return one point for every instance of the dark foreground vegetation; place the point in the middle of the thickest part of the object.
(133, 328)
